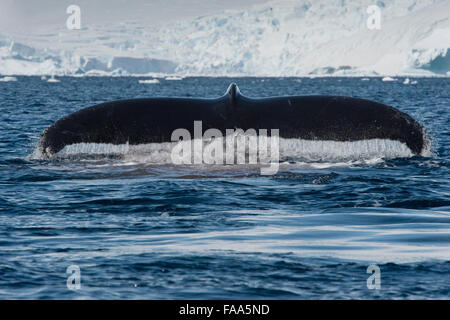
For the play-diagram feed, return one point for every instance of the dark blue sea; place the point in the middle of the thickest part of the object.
(137, 227)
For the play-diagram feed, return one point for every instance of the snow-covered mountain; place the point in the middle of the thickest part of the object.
(278, 38)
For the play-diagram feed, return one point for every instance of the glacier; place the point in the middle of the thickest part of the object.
(276, 38)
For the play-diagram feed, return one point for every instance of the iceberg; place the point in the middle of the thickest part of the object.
(149, 81)
(278, 38)
(8, 79)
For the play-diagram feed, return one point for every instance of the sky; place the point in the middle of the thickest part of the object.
(25, 16)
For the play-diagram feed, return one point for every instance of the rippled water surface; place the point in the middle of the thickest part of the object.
(141, 229)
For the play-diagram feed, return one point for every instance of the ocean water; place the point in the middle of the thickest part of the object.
(138, 227)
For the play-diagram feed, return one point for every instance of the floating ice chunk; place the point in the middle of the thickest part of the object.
(406, 81)
(173, 78)
(8, 79)
(149, 81)
(387, 79)
(53, 80)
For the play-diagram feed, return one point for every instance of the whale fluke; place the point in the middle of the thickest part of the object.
(139, 121)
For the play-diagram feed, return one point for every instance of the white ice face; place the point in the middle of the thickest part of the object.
(276, 38)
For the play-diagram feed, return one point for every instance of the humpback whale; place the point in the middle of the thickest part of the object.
(152, 120)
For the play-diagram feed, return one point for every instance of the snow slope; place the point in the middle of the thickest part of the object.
(278, 38)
